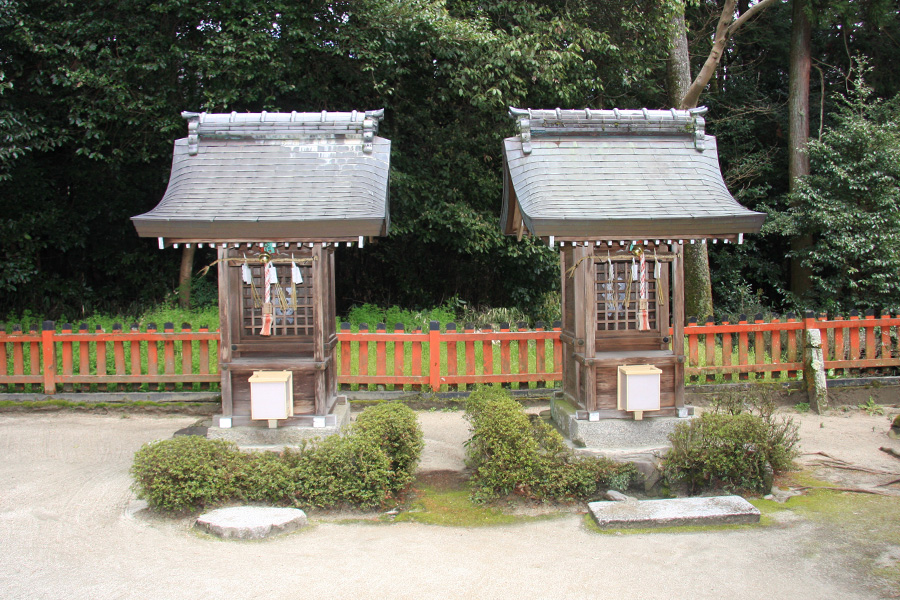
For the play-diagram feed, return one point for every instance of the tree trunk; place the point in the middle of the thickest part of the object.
(697, 281)
(184, 276)
(678, 63)
(725, 28)
(798, 127)
(685, 94)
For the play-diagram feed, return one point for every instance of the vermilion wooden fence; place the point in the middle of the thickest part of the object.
(456, 359)
(120, 360)
(117, 361)
(772, 350)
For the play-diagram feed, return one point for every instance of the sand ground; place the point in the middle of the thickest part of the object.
(67, 530)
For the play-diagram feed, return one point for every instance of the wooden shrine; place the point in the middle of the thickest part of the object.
(275, 193)
(620, 193)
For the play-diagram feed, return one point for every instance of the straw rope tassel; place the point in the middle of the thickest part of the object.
(610, 285)
(643, 312)
(267, 308)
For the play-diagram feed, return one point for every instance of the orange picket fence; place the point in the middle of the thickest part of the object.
(450, 359)
(51, 361)
(772, 350)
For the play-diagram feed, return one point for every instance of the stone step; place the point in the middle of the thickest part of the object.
(673, 512)
(251, 522)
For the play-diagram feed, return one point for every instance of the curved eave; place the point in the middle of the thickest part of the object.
(616, 187)
(288, 190)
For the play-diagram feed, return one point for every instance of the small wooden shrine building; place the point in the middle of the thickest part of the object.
(620, 193)
(275, 193)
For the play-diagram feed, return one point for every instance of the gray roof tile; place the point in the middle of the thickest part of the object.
(295, 176)
(618, 174)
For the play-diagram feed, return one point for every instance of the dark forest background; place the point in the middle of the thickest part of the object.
(91, 94)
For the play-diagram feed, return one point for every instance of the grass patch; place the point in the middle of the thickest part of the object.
(444, 499)
(69, 405)
(863, 529)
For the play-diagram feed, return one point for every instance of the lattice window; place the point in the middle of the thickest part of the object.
(294, 316)
(618, 299)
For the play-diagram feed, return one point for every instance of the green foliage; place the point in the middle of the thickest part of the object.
(158, 314)
(396, 428)
(186, 472)
(91, 92)
(735, 450)
(871, 407)
(367, 466)
(802, 407)
(850, 205)
(344, 470)
(269, 477)
(512, 454)
(371, 315)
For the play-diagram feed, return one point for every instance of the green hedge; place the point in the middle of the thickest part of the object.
(741, 451)
(511, 453)
(366, 466)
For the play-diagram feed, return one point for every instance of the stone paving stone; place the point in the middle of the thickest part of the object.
(251, 522)
(672, 512)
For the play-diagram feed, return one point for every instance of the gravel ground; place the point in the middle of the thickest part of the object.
(66, 531)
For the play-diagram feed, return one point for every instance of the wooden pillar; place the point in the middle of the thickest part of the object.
(320, 285)
(678, 322)
(226, 302)
(568, 363)
(588, 291)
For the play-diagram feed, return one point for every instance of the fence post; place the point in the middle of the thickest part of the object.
(814, 365)
(48, 352)
(434, 356)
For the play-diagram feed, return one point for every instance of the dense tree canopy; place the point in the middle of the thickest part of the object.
(91, 93)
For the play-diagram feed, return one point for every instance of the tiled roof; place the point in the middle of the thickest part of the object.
(269, 176)
(618, 174)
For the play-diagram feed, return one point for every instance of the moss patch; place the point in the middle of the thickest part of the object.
(443, 498)
(137, 406)
(863, 528)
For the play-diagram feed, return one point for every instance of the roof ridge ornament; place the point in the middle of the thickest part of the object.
(556, 122)
(193, 120)
(699, 127)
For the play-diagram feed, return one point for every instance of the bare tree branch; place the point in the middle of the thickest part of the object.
(726, 26)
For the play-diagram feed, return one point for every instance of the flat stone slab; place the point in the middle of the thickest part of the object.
(674, 512)
(251, 522)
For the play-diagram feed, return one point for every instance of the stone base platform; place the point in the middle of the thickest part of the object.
(290, 432)
(251, 522)
(673, 512)
(614, 434)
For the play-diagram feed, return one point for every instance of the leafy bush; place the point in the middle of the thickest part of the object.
(186, 472)
(269, 477)
(739, 451)
(395, 427)
(344, 470)
(373, 461)
(372, 314)
(511, 453)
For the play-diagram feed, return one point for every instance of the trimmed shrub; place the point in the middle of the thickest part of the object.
(502, 451)
(342, 470)
(395, 427)
(739, 451)
(186, 472)
(511, 453)
(269, 477)
(372, 462)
